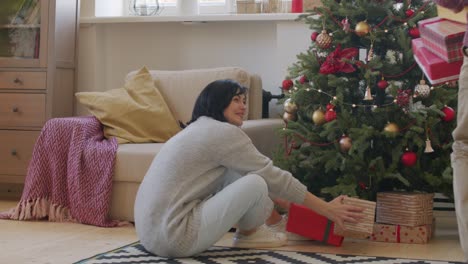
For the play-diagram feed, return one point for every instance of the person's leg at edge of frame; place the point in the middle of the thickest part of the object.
(460, 158)
(245, 203)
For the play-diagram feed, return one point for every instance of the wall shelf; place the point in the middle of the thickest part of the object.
(190, 19)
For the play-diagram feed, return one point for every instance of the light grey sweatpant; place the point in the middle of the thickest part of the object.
(241, 201)
(460, 159)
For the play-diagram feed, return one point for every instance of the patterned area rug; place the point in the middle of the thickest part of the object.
(135, 253)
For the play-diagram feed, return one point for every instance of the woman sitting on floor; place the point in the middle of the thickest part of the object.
(210, 177)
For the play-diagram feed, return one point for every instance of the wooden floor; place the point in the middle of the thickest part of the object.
(44, 242)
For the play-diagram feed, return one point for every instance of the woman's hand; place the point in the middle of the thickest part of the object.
(340, 213)
(335, 210)
(282, 203)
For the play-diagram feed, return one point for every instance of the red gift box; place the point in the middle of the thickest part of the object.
(305, 222)
(443, 37)
(436, 69)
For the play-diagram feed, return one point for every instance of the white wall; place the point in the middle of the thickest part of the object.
(107, 51)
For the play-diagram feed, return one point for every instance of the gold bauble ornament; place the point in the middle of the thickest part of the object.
(345, 144)
(289, 117)
(392, 128)
(323, 40)
(319, 117)
(362, 28)
(290, 106)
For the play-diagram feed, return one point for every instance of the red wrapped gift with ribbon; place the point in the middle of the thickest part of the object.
(435, 68)
(305, 222)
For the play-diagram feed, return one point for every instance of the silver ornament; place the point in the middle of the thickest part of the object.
(422, 89)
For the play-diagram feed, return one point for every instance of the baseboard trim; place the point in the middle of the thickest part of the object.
(11, 190)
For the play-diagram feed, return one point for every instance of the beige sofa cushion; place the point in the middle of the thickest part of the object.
(180, 89)
(135, 113)
(133, 160)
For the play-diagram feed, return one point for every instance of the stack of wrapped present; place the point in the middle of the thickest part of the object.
(404, 218)
(305, 222)
(439, 50)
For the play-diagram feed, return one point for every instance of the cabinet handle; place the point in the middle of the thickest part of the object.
(14, 152)
(15, 109)
(17, 81)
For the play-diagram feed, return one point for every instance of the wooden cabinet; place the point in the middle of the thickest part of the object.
(37, 76)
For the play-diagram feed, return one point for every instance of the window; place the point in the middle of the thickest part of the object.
(169, 7)
(202, 2)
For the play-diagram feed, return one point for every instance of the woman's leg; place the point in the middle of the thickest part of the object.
(231, 176)
(460, 159)
(244, 202)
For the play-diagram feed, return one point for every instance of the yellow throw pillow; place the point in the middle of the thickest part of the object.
(136, 113)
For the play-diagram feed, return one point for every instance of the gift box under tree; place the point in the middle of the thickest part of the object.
(364, 228)
(404, 208)
(403, 234)
(443, 37)
(435, 68)
(305, 222)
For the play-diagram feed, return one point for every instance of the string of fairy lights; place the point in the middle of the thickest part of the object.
(372, 31)
(375, 28)
(410, 13)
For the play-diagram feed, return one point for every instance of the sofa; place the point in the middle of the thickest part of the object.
(180, 90)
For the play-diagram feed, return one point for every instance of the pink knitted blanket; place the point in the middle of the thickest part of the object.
(70, 174)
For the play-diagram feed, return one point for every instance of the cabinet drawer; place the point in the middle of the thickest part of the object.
(22, 110)
(22, 80)
(15, 151)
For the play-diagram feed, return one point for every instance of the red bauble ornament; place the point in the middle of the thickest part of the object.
(314, 35)
(449, 114)
(362, 186)
(414, 32)
(330, 106)
(287, 84)
(409, 13)
(303, 79)
(330, 115)
(409, 158)
(382, 84)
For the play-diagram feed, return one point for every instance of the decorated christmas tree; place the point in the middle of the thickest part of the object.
(360, 117)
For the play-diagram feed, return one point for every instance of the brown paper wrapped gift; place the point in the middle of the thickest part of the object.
(364, 228)
(404, 208)
(403, 234)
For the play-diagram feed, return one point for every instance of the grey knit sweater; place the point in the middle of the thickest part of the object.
(186, 172)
